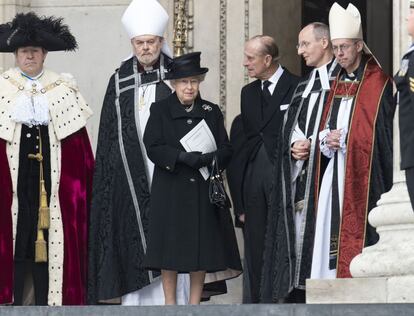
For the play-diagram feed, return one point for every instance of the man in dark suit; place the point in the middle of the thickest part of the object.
(263, 104)
(404, 81)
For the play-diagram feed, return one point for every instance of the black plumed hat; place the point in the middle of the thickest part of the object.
(27, 29)
(187, 65)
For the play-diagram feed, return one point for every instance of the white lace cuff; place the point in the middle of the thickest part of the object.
(325, 150)
(342, 140)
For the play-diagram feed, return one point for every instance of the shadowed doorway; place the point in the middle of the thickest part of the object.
(283, 20)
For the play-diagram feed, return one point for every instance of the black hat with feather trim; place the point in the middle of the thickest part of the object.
(27, 29)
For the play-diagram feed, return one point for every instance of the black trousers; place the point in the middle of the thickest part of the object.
(26, 232)
(39, 275)
(409, 176)
(256, 194)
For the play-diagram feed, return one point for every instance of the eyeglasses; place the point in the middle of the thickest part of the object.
(303, 44)
(342, 47)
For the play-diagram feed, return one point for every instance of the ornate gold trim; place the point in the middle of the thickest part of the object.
(180, 27)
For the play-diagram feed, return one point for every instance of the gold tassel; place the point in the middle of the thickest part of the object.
(44, 212)
(40, 247)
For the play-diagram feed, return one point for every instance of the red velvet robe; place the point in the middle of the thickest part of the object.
(77, 164)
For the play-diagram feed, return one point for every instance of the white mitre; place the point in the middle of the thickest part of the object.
(346, 24)
(146, 17)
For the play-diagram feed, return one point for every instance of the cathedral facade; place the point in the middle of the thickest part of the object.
(217, 28)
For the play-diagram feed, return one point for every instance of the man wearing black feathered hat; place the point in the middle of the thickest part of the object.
(46, 163)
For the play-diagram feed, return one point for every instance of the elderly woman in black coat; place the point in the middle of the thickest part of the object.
(187, 234)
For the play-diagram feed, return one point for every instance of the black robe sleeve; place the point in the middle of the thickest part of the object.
(405, 86)
(99, 221)
(279, 254)
(382, 159)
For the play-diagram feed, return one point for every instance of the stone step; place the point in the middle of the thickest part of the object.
(217, 310)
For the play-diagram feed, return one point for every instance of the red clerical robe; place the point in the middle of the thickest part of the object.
(368, 166)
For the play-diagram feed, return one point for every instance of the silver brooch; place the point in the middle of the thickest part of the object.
(207, 107)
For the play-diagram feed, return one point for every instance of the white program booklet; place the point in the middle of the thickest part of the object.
(200, 139)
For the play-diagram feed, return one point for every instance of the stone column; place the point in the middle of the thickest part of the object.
(384, 272)
(393, 255)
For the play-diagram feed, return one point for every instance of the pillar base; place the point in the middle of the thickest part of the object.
(393, 255)
(361, 290)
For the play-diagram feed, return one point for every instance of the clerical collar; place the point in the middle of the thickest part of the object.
(152, 76)
(29, 77)
(349, 76)
(322, 71)
(142, 69)
(324, 76)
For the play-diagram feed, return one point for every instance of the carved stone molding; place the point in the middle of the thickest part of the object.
(246, 19)
(246, 32)
(223, 55)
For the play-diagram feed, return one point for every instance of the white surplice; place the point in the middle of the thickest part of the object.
(320, 259)
(298, 134)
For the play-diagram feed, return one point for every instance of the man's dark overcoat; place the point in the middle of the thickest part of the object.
(261, 124)
(265, 131)
(404, 81)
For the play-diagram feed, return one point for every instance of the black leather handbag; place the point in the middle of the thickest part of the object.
(217, 193)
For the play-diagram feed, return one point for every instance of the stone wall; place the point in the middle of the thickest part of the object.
(220, 29)
(283, 21)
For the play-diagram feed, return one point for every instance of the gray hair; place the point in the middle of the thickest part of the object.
(268, 46)
(320, 30)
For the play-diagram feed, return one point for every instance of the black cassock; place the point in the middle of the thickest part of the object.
(286, 267)
(119, 213)
(281, 272)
